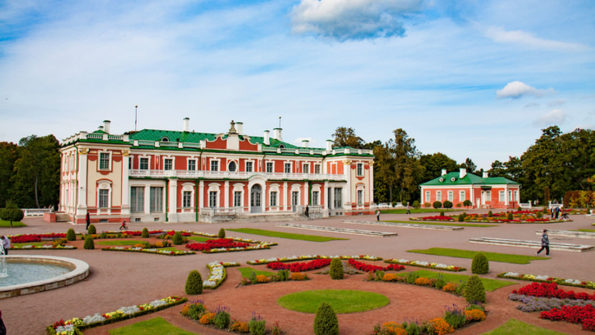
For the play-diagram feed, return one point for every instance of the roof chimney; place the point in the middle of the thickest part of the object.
(106, 124)
(462, 173)
(267, 140)
(240, 128)
(277, 134)
(329, 145)
(186, 124)
(485, 174)
(305, 143)
(443, 172)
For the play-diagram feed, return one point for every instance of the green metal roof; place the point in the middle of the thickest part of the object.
(172, 135)
(452, 178)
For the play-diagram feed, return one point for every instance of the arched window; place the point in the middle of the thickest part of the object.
(232, 167)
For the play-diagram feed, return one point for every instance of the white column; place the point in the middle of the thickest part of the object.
(147, 199)
(325, 192)
(371, 188)
(125, 184)
(82, 183)
(226, 194)
(472, 197)
(173, 200)
(347, 191)
(201, 192)
(285, 195)
(506, 195)
(306, 194)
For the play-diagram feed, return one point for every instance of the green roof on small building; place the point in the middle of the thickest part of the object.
(452, 178)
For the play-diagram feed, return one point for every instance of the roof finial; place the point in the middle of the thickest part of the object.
(232, 129)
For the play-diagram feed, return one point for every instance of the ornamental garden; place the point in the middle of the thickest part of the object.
(325, 293)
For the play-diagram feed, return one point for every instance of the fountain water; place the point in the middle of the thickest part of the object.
(3, 269)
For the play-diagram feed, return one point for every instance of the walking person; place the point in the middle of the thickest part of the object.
(408, 210)
(123, 226)
(88, 219)
(557, 212)
(2, 326)
(5, 244)
(307, 212)
(377, 215)
(545, 243)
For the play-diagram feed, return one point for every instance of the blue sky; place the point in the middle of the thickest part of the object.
(476, 79)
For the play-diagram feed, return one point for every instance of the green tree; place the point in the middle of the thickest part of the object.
(345, 137)
(469, 166)
(384, 173)
(8, 155)
(408, 169)
(36, 177)
(434, 163)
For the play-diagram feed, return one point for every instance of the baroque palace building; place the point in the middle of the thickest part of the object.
(186, 176)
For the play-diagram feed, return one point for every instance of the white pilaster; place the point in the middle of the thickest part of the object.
(506, 195)
(125, 184)
(226, 194)
(82, 183)
(324, 203)
(371, 181)
(285, 195)
(147, 199)
(201, 192)
(173, 200)
(306, 194)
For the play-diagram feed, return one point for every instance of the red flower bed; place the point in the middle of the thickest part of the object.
(300, 267)
(372, 268)
(151, 232)
(28, 238)
(437, 218)
(575, 314)
(215, 244)
(172, 232)
(551, 290)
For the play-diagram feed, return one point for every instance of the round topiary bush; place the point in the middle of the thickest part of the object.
(461, 217)
(480, 264)
(447, 204)
(92, 229)
(474, 291)
(145, 233)
(326, 322)
(509, 216)
(194, 283)
(178, 239)
(336, 271)
(467, 203)
(437, 204)
(490, 214)
(416, 204)
(221, 233)
(70, 235)
(89, 244)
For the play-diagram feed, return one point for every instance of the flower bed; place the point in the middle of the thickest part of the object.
(546, 278)
(157, 251)
(216, 244)
(372, 268)
(551, 290)
(526, 216)
(300, 267)
(28, 238)
(75, 325)
(217, 274)
(536, 304)
(584, 315)
(437, 266)
(43, 247)
(309, 257)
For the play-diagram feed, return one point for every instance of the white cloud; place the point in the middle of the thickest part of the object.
(553, 117)
(527, 39)
(352, 19)
(516, 89)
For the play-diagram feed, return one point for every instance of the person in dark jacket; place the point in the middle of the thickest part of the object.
(2, 326)
(88, 219)
(545, 243)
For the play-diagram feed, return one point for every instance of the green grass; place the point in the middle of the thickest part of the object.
(31, 243)
(455, 224)
(488, 284)
(120, 242)
(271, 233)
(15, 224)
(492, 256)
(342, 301)
(416, 210)
(149, 327)
(515, 327)
(246, 271)
(199, 238)
(587, 230)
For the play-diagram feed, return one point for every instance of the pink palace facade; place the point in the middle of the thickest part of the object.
(187, 176)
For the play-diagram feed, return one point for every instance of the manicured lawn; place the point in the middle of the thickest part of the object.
(271, 233)
(6, 224)
(199, 238)
(149, 327)
(120, 242)
(37, 244)
(514, 327)
(492, 256)
(587, 230)
(246, 271)
(416, 210)
(455, 224)
(342, 301)
(488, 284)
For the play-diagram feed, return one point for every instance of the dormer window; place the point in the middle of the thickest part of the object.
(164, 139)
(282, 146)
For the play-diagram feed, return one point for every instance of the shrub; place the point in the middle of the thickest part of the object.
(422, 281)
(11, 213)
(455, 317)
(257, 326)
(442, 213)
(325, 322)
(70, 234)
(411, 277)
(222, 320)
(449, 287)
(459, 205)
(461, 217)
(474, 306)
(178, 239)
(283, 275)
(336, 271)
(416, 204)
(276, 329)
(474, 290)
(412, 328)
(437, 204)
(103, 235)
(89, 244)
(447, 204)
(298, 276)
(262, 279)
(467, 203)
(519, 208)
(195, 311)
(194, 283)
(475, 315)
(92, 229)
(539, 215)
(145, 233)
(221, 233)
(509, 216)
(379, 274)
(490, 214)
(440, 327)
(427, 204)
(207, 318)
(480, 264)
(239, 327)
(252, 277)
(439, 283)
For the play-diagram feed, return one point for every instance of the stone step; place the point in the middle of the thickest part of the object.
(531, 244)
(338, 230)
(403, 225)
(568, 233)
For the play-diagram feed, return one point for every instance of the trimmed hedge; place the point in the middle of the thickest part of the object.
(194, 283)
(326, 322)
(336, 270)
(480, 264)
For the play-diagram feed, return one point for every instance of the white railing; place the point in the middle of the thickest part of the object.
(234, 175)
(525, 205)
(36, 211)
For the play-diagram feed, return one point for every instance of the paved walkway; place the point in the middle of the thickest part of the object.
(124, 279)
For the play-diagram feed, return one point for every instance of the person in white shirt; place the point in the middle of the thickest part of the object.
(5, 244)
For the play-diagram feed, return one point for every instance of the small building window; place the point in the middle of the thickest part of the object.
(428, 196)
(287, 168)
(103, 198)
(192, 165)
(269, 167)
(273, 199)
(213, 199)
(214, 165)
(501, 196)
(438, 195)
(104, 161)
(167, 164)
(360, 169)
(144, 163)
(187, 199)
(306, 168)
(461, 196)
(249, 166)
(450, 195)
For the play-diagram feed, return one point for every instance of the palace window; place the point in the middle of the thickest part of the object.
(104, 161)
(360, 197)
(317, 168)
(315, 198)
(214, 165)
(273, 199)
(167, 164)
(213, 199)
(306, 168)
(287, 168)
(192, 165)
(103, 198)
(187, 199)
(156, 199)
(232, 167)
(144, 163)
(360, 169)
(249, 166)
(137, 199)
(237, 199)
(269, 167)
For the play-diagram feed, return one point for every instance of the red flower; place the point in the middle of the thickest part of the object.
(300, 267)
(372, 268)
(215, 244)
